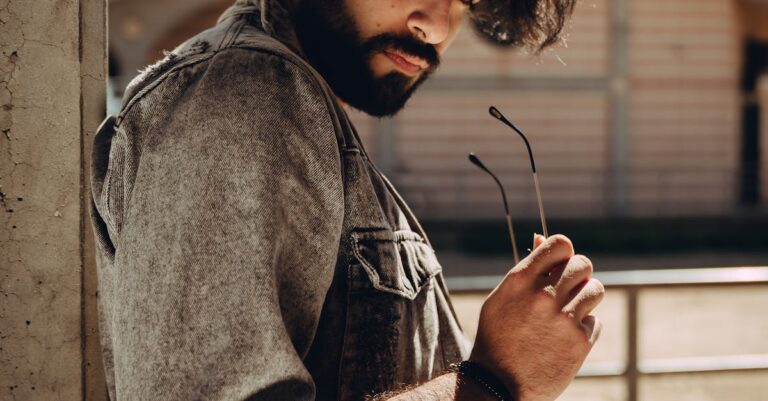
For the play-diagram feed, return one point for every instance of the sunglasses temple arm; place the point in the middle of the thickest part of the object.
(477, 162)
(497, 114)
(541, 206)
(512, 238)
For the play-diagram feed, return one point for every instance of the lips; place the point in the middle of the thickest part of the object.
(406, 63)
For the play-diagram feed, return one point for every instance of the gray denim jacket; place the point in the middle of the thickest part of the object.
(247, 247)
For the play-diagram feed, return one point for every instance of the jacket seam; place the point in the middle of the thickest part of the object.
(308, 76)
(232, 32)
(285, 57)
(144, 91)
(342, 352)
(225, 37)
(341, 143)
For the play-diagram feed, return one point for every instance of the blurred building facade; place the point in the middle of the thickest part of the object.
(649, 108)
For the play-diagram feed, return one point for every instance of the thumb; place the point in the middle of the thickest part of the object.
(538, 239)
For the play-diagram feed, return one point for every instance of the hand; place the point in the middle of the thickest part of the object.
(535, 328)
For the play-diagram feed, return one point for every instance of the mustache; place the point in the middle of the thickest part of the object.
(406, 44)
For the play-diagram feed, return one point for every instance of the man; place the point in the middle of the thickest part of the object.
(249, 250)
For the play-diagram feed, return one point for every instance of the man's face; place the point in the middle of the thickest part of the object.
(375, 53)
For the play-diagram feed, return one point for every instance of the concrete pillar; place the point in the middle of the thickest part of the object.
(762, 99)
(52, 82)
(619, 110)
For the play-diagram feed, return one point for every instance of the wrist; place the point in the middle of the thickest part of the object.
(486, 381)
(469, 390)
(503, 374)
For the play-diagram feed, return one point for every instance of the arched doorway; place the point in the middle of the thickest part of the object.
(754, 65)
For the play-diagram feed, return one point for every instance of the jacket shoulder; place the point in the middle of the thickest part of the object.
(251, 55)
(232, 87)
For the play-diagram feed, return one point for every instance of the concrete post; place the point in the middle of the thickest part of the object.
(52, 82)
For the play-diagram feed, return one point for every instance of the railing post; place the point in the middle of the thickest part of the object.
(632, 372)
(619, 113)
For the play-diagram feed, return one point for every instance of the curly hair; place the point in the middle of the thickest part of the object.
(533, 24)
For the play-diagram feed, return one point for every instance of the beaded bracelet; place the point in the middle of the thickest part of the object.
(486, 379)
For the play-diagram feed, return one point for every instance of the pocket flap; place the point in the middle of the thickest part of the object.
(398, 262)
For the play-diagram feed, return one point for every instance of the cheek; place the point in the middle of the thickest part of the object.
(457, 22)
(373, 17)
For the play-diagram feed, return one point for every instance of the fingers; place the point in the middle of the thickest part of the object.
(554, 251)
(538, 239)
(593, 328)
(586, 300)
(576, 273)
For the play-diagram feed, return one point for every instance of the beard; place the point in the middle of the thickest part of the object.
(335, 48)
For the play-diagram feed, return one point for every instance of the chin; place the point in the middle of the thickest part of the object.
(380, 94)
(386, 101)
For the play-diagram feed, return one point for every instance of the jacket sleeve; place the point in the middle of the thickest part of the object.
(229, 234)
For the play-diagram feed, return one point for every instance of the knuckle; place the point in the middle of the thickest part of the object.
(514, 274)
(533, 259)
(586, 263)
(569, 313)
(546, 298)
(561, 241)
(578, 268)
(592, 292)
(580, 265)
(546, 294)
(597, 286)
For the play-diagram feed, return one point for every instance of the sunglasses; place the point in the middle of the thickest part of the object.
(477, 162)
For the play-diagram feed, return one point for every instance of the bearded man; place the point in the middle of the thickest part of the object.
(248, 248)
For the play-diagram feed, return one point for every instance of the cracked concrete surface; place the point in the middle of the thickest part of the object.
(40, 205)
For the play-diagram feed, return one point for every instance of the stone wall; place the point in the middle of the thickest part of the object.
(52, 75)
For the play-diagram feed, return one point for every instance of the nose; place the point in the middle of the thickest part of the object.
(430, 21)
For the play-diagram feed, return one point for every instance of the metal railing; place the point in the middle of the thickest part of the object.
(632, 283)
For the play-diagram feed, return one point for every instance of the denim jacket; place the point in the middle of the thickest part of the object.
(247, 247)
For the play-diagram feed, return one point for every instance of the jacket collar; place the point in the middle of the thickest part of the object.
(276, 19)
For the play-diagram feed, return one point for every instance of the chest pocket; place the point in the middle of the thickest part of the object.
(399, 263)
(393, 323)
